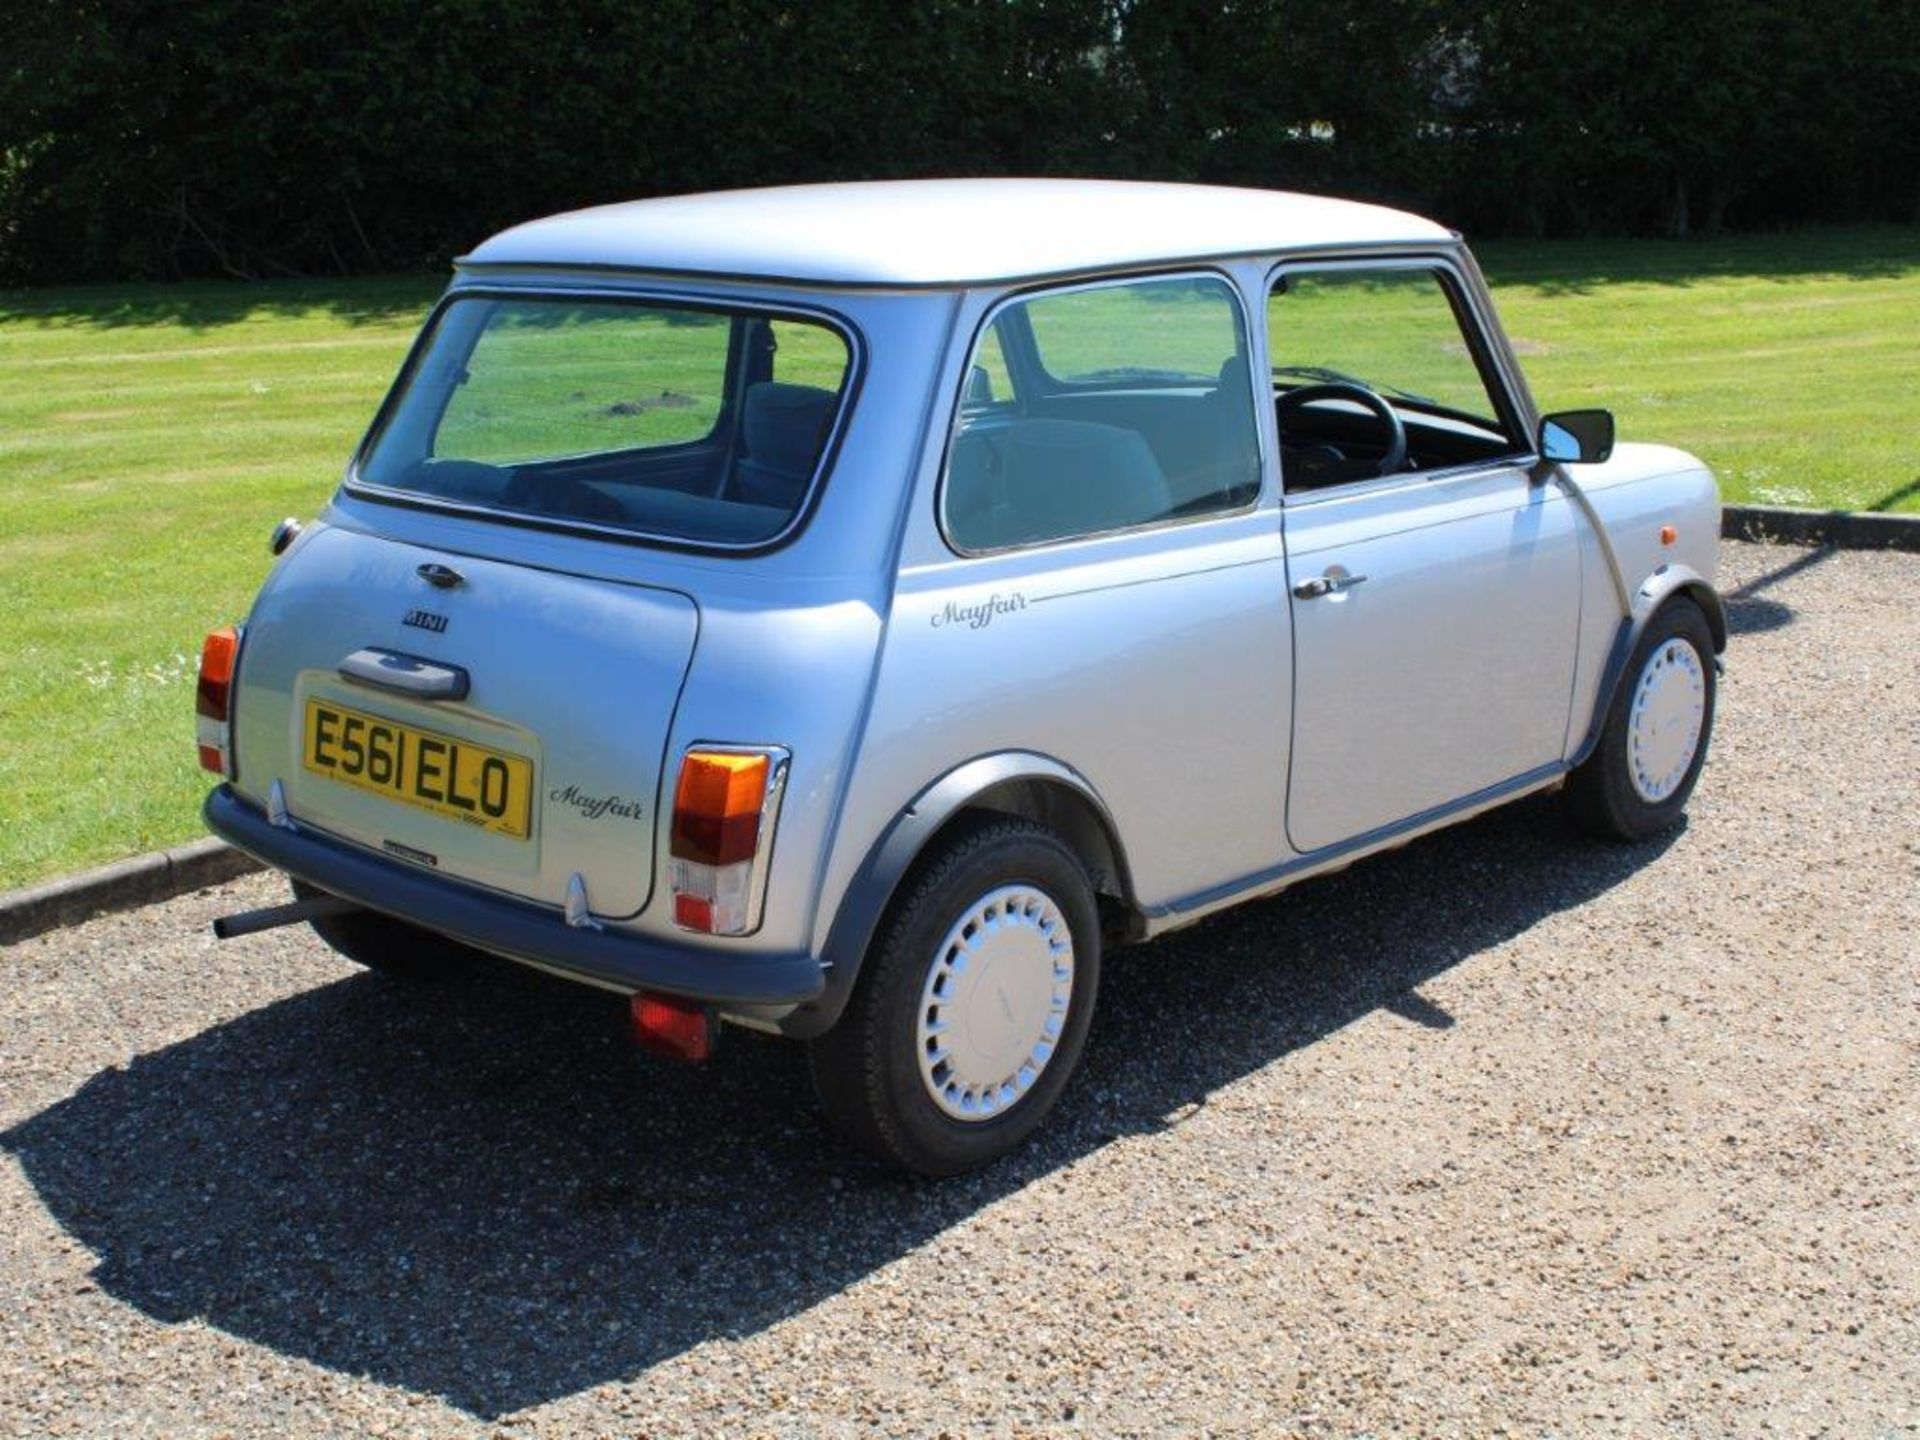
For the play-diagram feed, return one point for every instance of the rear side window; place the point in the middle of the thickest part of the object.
(689, 424)
(1154, 332)
(1099, 409)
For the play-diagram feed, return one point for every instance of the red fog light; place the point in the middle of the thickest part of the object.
(675, 1028)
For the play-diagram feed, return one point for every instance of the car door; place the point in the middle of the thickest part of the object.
(1097, 581)
(1435, 600)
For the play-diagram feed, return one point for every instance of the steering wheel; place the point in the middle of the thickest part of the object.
(1302, 396)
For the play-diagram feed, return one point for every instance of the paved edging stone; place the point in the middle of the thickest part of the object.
(141, 880)
(1845, 529)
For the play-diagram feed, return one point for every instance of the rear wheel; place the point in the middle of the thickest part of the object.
(390, 946)
(1641, 774)
(972, 1009)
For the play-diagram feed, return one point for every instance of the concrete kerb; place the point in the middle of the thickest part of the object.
(141, 880)
(1843, 529)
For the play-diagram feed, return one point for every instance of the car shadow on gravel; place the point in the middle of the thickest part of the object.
(482, 1193)
(1750, 611)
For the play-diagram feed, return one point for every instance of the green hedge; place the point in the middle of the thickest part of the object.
(142, 138)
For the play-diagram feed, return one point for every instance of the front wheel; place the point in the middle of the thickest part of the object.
(972, 1009)
(1640, 775)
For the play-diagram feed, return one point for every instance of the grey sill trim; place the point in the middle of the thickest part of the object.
(1302, 865)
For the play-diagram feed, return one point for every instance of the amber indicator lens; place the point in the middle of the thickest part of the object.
(216, 672)
(213, 703)
(716, 807)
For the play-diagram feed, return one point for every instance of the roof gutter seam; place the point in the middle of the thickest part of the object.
(468, 264)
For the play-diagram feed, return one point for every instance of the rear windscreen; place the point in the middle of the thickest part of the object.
(699, 425)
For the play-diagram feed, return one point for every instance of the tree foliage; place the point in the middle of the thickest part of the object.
(145, 138)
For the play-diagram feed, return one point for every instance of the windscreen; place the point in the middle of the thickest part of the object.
(687, 424)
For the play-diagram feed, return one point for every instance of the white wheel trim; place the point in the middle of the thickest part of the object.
(995, 1002)
(1666, 715)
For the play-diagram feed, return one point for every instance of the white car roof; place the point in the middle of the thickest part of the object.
(945, 232)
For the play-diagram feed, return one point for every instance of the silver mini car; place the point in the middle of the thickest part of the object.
(852, 610)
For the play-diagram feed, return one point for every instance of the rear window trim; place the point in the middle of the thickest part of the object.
(354, 483)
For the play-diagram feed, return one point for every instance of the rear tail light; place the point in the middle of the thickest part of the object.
(724, 809)
(219, 657)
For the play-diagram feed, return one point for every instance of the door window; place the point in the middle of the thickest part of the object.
(1374, 375)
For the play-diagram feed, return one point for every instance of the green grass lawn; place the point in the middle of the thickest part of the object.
(151, 436)
(149, 439)
(1790, 363)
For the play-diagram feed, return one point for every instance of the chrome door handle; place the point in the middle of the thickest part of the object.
(1327, 585)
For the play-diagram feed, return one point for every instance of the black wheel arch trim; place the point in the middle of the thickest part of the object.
(904, 841)
(1667, 583)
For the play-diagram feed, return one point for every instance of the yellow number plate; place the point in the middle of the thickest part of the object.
(453, 778)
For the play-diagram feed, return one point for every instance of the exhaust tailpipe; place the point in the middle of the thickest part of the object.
(294, 912)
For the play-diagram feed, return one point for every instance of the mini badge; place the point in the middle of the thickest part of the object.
(425, 620)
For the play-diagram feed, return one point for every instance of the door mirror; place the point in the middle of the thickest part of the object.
(1577, 437)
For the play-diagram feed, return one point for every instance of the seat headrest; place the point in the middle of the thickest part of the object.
(1069, 477)
(784, 424)
(1233, 373)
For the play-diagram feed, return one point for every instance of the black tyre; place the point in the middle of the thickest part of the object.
(1641, 774)
(390, 946)
(972, 1009)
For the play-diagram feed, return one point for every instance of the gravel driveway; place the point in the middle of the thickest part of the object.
(1505, 1131)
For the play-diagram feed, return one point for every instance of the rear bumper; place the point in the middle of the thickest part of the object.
(513, 928)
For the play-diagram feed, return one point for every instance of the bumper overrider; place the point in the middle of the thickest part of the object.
(532, 933)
